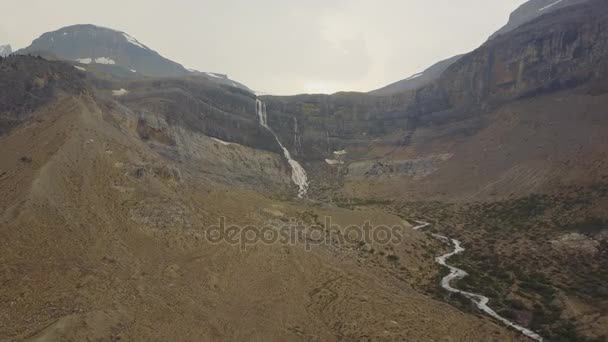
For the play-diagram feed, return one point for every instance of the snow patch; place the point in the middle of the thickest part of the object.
(414, 76)
(80, 68)
(216, 75)
(84, 60)
(133, 41)
(553, 4)
(333, 162)
(339, 158)
(104, 60)
(225, 143)
(120, 92)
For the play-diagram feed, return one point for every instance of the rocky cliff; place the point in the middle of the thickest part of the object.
(525, 13)
(557, 51)
(531, 10)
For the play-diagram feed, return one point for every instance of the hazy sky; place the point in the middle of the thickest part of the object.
(281, 46)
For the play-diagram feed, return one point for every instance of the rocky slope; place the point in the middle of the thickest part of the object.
(28, 83)
(107, 231)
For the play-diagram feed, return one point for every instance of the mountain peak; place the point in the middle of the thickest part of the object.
(531, 10)
(92, 44)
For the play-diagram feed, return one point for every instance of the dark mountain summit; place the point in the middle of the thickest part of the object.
(90, 44)
(101, 50)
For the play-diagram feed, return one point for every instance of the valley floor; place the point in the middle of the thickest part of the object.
(103, 239)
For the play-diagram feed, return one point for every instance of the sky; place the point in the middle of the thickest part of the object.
(281, 47)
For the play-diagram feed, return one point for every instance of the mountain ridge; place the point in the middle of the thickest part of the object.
(92, 44)
(114, 185)
(527, 12)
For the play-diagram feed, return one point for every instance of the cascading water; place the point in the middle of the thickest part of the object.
(298, 174)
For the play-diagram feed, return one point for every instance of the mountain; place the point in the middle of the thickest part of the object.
(418, 80)
(5, 50)
(531, 10)
(498, 149)
(165, 208)
(525, 13)
(110, 54)
(95, 45)
(110, 199)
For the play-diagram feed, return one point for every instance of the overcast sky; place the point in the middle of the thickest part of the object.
(281, 46)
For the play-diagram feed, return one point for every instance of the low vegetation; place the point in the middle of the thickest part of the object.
(516, 256)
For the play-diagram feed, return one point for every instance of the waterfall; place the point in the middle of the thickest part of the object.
(298, 174)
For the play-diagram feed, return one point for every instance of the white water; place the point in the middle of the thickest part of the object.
(456, 273)
(298, 174)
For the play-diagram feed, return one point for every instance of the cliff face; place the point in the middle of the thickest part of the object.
(314, 126)
(29, 83)
(200, 106)
(557, 51)
(531, 10)
(560, 50)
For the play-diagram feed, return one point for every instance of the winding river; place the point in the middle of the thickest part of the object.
(456, 273)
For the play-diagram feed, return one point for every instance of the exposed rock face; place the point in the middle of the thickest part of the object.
(524, 14)
(5, 50)
(28, 83)
(328, 123)
(418, 80)
(90, 44)
(560, 50)
(531, 10)
(219, 111)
